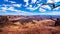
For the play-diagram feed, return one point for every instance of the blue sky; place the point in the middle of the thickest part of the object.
(28, 7)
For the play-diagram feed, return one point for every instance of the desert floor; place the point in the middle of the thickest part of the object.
(40, 27)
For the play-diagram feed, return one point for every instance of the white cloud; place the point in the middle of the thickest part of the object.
(9, 1)
(57, 8)
(20, 12)
(42, 10)
(30, 5)
(51, 13)
(49, 1)
(26, 2)
(25, 13)
(17, 5)
(46, 7)
(52, 1)
(12, 2)
(11, 8)
(33, 8)
(16, 12)
(14, 5)
(3, 9)
(5, 5)
(33, 1)
(56, 0)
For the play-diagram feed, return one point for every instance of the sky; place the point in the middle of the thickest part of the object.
(29, 7)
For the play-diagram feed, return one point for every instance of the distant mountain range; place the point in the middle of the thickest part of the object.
(34, 16)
